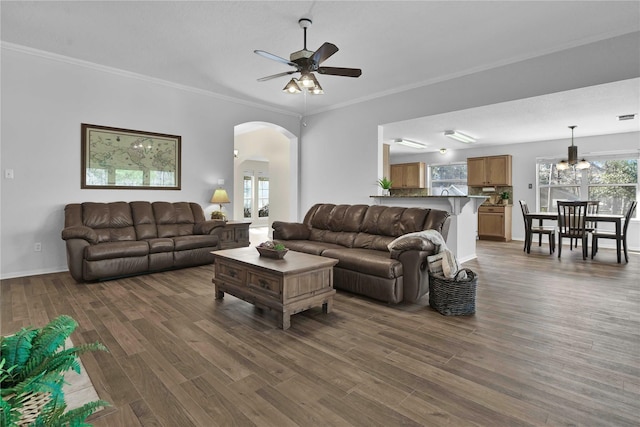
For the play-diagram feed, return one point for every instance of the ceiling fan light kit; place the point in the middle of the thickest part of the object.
(306, 62)
(292, 87)
(459, 136)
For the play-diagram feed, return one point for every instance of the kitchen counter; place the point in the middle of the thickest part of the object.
(456, 203)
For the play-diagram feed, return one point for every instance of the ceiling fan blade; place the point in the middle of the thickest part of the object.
(286, 73)
(324, 52)
(275, 57)
(338, 71)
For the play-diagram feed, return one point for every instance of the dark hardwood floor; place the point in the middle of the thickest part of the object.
(553, 342)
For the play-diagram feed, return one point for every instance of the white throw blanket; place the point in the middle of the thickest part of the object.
(443, 262)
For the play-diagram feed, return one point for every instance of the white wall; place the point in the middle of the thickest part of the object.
(44, 100)
(524, 168)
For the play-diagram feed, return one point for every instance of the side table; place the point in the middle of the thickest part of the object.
(235, 235)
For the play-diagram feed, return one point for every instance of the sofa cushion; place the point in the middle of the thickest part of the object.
(143, 220)
(109, 250)
(373, 241)
(111, 221)
(381, 220)
(173, 219)
(373, 262)
(322, 216)
(196, 241)
(393, 221)
(308, 246)
(336, 237)
(161, 244)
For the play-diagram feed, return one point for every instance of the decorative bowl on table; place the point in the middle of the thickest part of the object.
(270, 250)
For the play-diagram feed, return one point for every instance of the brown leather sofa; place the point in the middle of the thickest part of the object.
(357, 236)
(108, 240)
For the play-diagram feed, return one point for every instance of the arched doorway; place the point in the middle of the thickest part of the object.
(265, 173)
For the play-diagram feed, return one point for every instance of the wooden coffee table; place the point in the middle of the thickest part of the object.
(287, 286)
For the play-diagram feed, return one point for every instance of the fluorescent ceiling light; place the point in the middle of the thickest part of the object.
(408, 143)
(458, 136)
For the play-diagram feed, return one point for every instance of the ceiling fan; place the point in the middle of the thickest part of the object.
(306, 63)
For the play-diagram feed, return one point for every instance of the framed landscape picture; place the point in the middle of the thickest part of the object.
(129, 159)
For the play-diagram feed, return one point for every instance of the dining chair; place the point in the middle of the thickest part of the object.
(600, 234)
(572, 224)
(536, 229)
(593, 206)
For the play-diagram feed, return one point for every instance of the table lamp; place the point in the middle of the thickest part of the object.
(219, 196)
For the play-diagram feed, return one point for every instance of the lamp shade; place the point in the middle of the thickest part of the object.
(220, 196)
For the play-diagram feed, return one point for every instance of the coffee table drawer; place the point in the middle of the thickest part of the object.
(230, 272)
(265, 284)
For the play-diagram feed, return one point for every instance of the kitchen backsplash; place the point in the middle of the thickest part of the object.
(494, 196)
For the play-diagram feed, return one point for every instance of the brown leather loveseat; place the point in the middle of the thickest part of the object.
(108, 240)
(358, 237)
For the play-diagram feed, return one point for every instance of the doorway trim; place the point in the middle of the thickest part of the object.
(292, 187)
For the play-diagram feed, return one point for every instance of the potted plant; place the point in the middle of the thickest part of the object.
(271, 249)
(504, 196)
(385, 184)
(32, 366)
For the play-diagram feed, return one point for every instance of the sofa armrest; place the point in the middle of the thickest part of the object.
(80, 232)
(427, 240)
(75, 257)
(209, 227)
(290, 230)
(415, 274)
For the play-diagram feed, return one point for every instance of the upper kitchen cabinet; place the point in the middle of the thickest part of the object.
(408, 175)
(491, 170)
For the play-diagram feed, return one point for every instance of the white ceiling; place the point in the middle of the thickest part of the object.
(593, 110)
(399, 45)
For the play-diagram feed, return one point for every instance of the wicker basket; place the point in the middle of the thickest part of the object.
(32, 405)
(452, 297)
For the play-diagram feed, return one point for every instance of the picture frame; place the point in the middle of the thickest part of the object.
(115, 158)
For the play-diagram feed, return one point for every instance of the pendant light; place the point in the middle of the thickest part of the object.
(572, 158)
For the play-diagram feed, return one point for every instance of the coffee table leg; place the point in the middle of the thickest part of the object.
(328, 305)
(217, 293)
(286, 321)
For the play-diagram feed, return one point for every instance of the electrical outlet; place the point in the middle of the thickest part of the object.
(37, 247)
(8, 173)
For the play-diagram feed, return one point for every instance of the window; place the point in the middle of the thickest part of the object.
(247, 195)
(449, 177)
(255, 197)
(612, 180)
(263, 197)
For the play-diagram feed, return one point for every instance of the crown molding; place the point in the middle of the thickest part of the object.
(131, 75)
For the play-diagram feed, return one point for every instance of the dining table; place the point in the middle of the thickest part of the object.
(598, 217)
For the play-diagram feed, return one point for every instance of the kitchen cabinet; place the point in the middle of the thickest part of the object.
(491, 170)
(408, 175)
(494, 223)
